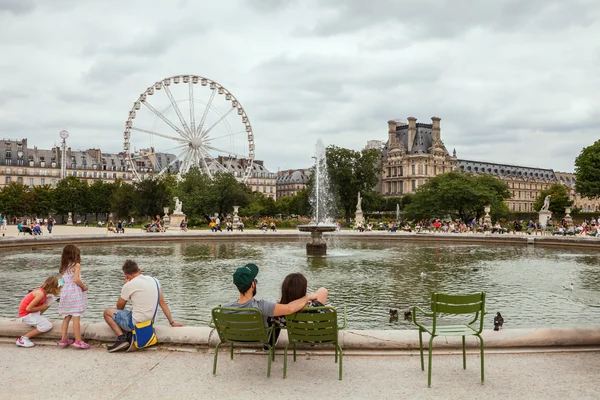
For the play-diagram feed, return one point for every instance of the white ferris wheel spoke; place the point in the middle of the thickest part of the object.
(208, 106)
(208, 171)
(192, 112)
(230, 153)
(159, 134)
(206, 132)
(178, 112)
(210, 139)
(165, 119)
(162, 171)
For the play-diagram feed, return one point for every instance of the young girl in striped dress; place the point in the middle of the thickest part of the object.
(73, 297)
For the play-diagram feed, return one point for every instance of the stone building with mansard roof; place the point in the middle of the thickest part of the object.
(414, 153)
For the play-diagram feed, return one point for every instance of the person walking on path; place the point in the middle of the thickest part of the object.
(73, 299)
(141, 291)
(50, 223)
(33, 306)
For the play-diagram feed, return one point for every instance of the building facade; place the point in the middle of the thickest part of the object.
(261, 180)
(415, 152)
(290, 181)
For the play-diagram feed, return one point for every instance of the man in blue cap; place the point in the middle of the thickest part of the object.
(245, 280)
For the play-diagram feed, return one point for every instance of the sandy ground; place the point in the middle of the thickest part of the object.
(47, 371)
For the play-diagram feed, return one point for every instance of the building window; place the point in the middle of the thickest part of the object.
(42, 181)
(54, 182)
(8, 180)
(95, 174)
(8, 170)
(104, 175)
(9, 161)
(114, 176)
(425, 169)
(414, 184)
(74, 173)
(389, 187)
(31, 181)
(124, 176)
(85, 174)
(8, 154)
(20, 180)
(413, 169)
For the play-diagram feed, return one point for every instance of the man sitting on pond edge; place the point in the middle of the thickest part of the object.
(244, 278)
(141, 290)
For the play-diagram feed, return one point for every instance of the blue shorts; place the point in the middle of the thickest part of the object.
(123, 319)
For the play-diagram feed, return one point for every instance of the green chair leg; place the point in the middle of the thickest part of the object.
(215, 361)
(231, 351)
(269, 367)
(294, 352)
(341, 357)
(429, 365)
(421, 349)
(464, 354)
(285, 360)
(481, 346)
(336, 351)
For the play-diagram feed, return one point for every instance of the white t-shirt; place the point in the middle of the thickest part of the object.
(141, 291)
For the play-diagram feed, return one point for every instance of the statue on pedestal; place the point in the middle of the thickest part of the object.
(178, 206)
(359, 203)
(546, 203)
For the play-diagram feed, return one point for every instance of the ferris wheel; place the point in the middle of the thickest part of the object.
(187, 121)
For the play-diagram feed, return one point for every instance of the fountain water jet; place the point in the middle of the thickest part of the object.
(322, 202)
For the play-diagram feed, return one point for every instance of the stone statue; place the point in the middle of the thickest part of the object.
(177, 205)
(359, 203)
(546, 203)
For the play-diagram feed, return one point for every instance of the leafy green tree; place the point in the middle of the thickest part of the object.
(42, 200)
(300, 204)
(14, 200)
(587, 171)
(559, 199)
(351, 172)
(284, 205)
(226, 191)
(194, 192)
(259, 206)
(100, 197)
(123, 200)
(458, 195)
(153, 195)
(71, 195)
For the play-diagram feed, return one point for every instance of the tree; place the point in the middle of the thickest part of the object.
(284, 205)
(100, 197)
(14, 200)
(194, 191)
(351, 172)
(71, 195)
(123, 200)
(559, 199)
(300, 204)
(587, 171)
(42, 200)
(458, 195)
(226, 191)
(259, 206)
(153, 195)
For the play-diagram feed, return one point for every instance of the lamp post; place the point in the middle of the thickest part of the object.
(63, 156)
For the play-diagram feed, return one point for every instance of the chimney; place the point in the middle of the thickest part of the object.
(392, 139)
(435, 132)
(412, 132)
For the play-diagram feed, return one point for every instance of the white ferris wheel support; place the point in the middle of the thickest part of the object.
(193, 143)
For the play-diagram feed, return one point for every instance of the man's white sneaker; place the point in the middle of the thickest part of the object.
(24, 342)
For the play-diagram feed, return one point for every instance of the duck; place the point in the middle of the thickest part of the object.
(475, 269)
(408, 315)
(393, 315)
(568, 287)
(498, 322)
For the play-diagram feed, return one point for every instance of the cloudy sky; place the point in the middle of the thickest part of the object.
(515, 82)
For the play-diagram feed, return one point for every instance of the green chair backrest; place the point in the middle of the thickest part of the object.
(313, 325)
(459, 305)
(239, 325)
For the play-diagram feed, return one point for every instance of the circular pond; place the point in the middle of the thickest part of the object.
(368, 278)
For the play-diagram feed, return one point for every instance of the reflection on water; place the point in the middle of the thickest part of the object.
(524, 283)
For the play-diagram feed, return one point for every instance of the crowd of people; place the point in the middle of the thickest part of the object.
(145, 295)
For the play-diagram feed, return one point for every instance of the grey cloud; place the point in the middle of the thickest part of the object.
(451, 18)
(112, 71)
(269, 5)
(17, 7)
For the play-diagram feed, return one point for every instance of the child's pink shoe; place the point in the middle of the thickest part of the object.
(65, 343)
(81, 345)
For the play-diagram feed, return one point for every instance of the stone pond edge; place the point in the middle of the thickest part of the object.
(349, 339)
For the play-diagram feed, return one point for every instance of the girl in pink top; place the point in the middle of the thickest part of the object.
(33, 306)
(73, 299)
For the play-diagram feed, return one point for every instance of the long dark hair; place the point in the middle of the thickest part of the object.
(293, 287)
(70, 255)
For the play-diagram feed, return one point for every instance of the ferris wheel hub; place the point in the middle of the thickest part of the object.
(196, 143)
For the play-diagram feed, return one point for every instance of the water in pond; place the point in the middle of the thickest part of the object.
(524, 283)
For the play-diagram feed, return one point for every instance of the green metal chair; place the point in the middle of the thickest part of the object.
(458, 305)
(313, 326)
(241, 325)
